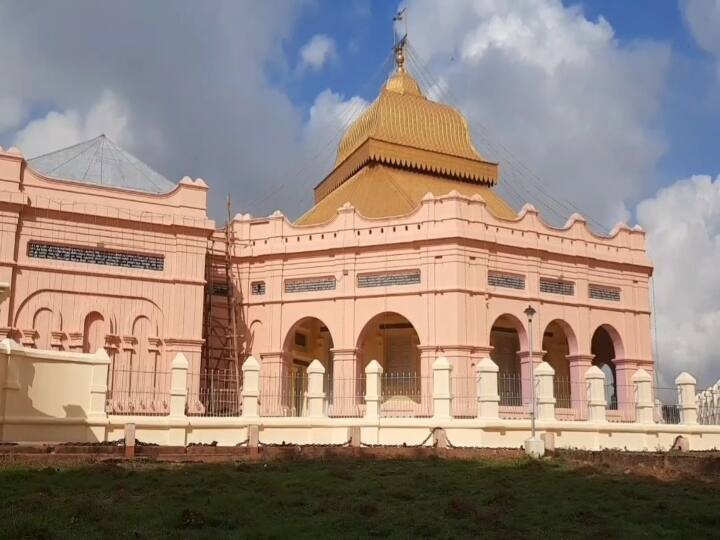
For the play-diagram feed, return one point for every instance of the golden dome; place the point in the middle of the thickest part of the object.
(402, 115)
(402, 147)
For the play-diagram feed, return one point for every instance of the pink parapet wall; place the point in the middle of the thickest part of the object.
(449, 279)
(92, 266)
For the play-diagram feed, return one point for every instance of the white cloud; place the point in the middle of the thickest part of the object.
(61, 129)
(192, 80)
(11, 112)
(330, 116)
(572, 102)
(703, 19)
(683, 232)
(317, 52)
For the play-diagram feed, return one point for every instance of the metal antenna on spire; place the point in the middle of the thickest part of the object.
(399, 46)
(399, 16)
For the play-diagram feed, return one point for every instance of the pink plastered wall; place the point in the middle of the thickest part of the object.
(453, 242)
(141, 316)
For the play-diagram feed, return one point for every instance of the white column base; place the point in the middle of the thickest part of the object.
(535, 447)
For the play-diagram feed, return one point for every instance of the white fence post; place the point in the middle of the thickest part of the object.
(597, 404)
(98, 385)
(643, 397)
(251, 388)
(178, 385)
(544, 375)
(687, 400)
(315, 392)
(373, 380)
(488, 398)
(442, 389)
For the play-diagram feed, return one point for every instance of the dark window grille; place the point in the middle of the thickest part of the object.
(257, 287)
(509, 281)
(601, 292)
(556, 286)
(220, 289)
(388, 279)
(101, 257)
(310, 284)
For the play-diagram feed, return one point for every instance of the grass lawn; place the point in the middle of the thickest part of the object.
(351, 499)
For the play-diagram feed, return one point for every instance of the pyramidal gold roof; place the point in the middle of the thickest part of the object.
(403, 146)
(403, 115)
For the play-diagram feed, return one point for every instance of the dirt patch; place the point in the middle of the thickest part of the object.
(669, 466)
(663, 466)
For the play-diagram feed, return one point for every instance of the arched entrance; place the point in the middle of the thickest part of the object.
(603, 349)
(505, 336)
(392, 340)
(284, 389)
(556, 345)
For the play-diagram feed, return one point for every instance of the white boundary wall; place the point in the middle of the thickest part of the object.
(52, 396)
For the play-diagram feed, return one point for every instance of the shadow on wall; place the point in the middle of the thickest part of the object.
(33, 397)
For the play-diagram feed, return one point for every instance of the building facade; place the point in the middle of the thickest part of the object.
(408, 254)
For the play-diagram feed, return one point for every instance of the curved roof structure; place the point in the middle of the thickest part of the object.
(403, 146)
(100, 161)
(402, 115)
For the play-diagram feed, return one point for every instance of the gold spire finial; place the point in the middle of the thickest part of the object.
(400, 55)
(400, 45)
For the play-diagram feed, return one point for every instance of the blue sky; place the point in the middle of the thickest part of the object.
(689, 113)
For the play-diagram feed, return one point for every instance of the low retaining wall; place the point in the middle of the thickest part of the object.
(52, 396)
(460, 433)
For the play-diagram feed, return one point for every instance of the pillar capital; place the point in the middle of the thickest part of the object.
(344, 353)
(536, 355)
(269, 357)
(581, 358)
(481, 351)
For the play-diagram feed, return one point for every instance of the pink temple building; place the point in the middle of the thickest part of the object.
(408, 254)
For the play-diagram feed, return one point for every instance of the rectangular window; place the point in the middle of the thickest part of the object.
(103, 257)
(220, 289)
(310, 284)
(300, 340)
(602, 292)
(557, 286)
(257, 287)
(508, 281)
(388, 279)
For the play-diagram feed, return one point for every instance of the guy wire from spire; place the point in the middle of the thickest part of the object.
(559, 207)
(511, 175)
(347, 118)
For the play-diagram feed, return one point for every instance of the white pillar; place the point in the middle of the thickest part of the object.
(488, 398)
(251, 388)
(178, 385)
(687, 400)
(544, 375)
(597, 404)
(442, 389)
(643, 397)
(373, 380)
(315, 391)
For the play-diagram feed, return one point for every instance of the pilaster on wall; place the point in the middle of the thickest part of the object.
(346, 380)
(624, 371)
